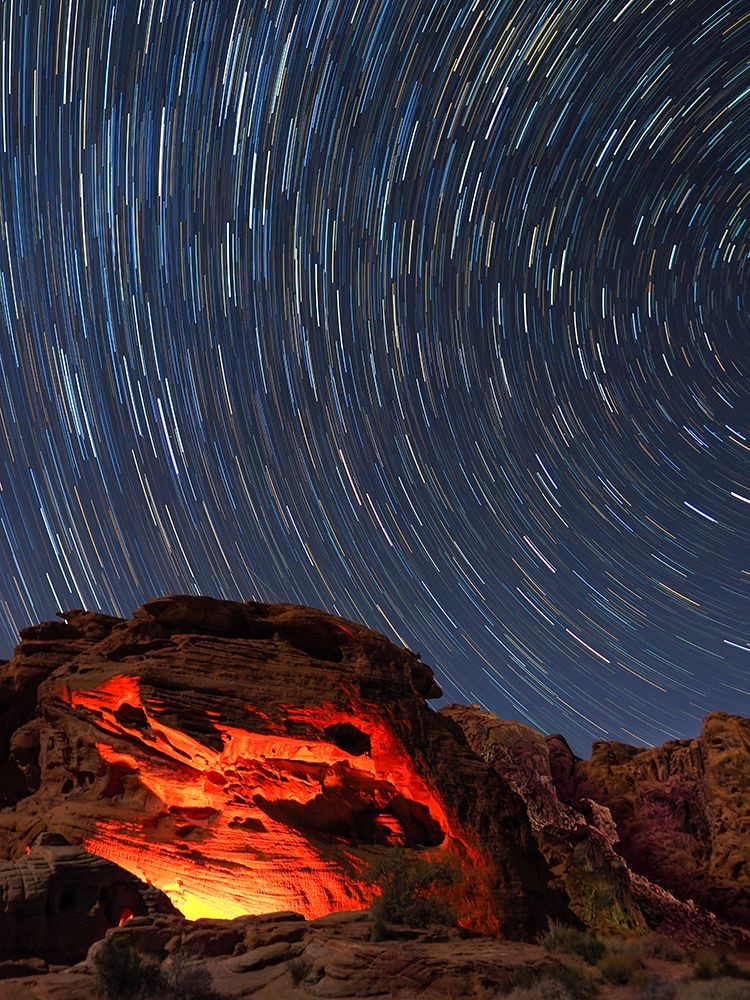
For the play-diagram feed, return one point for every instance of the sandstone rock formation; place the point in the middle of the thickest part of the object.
(248, 758)
(630, 833)
(281, 956)
(682, 810)
(579, 844)
(57, 900)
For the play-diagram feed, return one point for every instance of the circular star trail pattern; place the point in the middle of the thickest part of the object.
(430, 314)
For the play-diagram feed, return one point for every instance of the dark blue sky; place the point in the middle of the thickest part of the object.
(429, 314)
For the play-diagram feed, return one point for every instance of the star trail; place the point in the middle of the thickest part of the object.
(431, 314)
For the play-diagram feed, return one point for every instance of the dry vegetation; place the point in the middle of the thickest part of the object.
(653, 967)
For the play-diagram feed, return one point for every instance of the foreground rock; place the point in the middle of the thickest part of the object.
(247, 758)
(283, 957)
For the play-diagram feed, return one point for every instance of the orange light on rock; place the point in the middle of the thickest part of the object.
(265, 821)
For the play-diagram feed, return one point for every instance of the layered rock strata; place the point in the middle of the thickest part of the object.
(248, 758)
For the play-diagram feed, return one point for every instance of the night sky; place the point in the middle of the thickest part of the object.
(430, 314)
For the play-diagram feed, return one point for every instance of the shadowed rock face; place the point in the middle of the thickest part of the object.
(56, 900)
(626, 823)
(248, 758)
(578, 844)
(682, 810)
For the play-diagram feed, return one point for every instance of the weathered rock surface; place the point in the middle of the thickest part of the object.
(248, 758)
(624, 826)
(579, 844)
(57, 900)
(332, 958)
(682, 810)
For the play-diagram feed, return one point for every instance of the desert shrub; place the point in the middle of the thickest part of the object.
(411, 890)
(186, 980)
(710, 964)
(707, 964)
(618, 968)
(572, 981)
(544, 989)
(299, 969)
(716, 989)
(122, 973)
(653, 986)
(661, 946)
(125, 974)
(561, 939)
(620, 946)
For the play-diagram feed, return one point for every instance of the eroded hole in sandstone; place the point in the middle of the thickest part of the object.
(120, 901)
(119, 771)
(321, 644)
(354, 806)
(348, 738)
(419, 826)
(132, 716)
(247, 823)
(195, 814)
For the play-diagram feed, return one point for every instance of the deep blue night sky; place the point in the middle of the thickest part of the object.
(429, 314)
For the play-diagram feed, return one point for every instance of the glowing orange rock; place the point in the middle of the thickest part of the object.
(247, 758)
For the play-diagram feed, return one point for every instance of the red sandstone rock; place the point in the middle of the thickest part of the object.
(578, 844)
(255, 956)
(682, 810)
(249, 757)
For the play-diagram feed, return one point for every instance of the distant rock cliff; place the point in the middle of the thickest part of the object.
(682, 810)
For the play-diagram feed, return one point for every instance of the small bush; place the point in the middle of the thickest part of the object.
(661, 946)
(618, 969)
(652, 986)
(125, 974)
(186, 980)
(545, 989)
(717, 989)
(563, 940)
(299, 969)
(710, 964)
(411, 890)
(573, 981)
(707, 964)
(621, 946)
